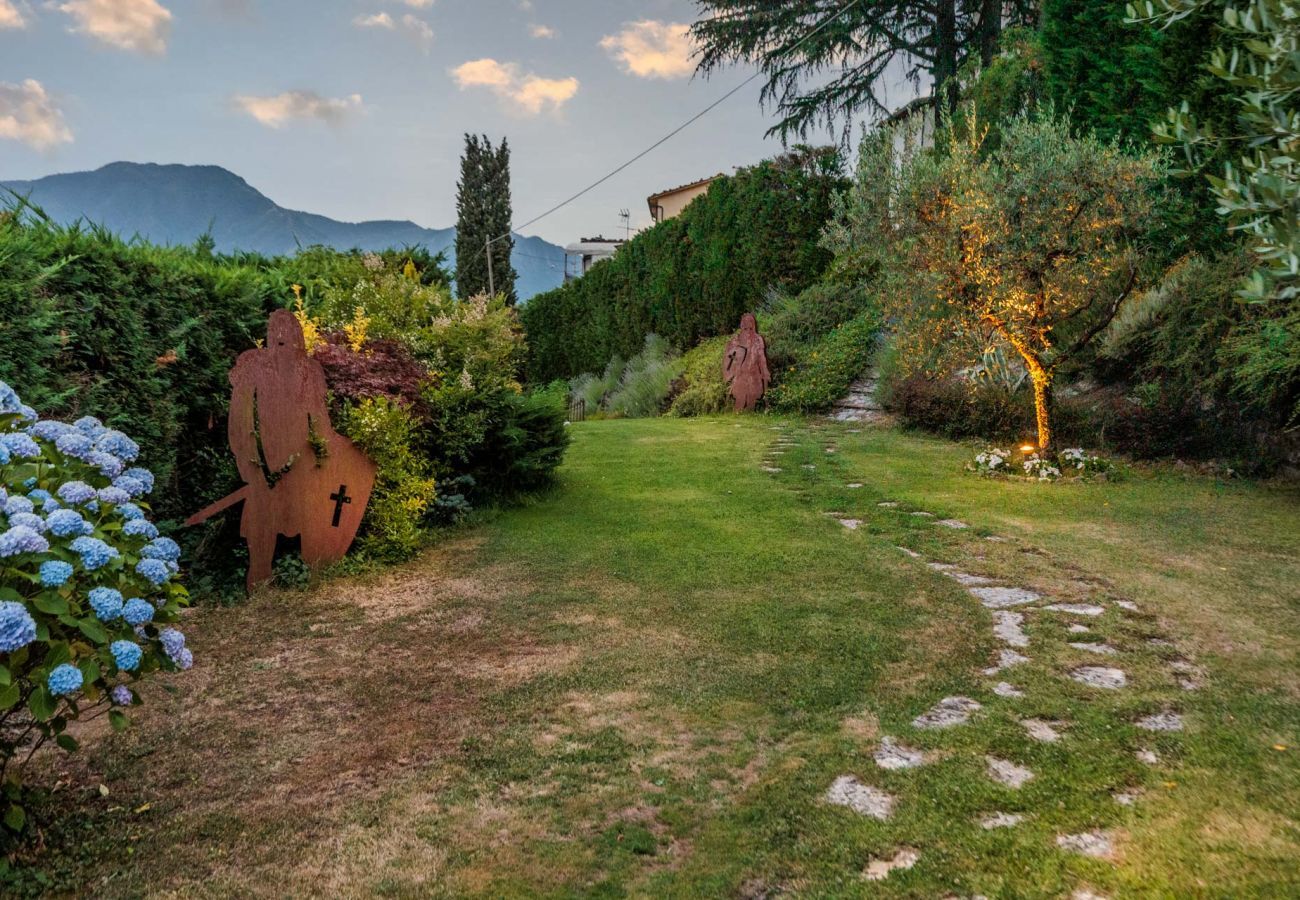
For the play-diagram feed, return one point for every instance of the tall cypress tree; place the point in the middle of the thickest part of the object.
(483, 212)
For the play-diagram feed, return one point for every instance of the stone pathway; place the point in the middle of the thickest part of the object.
(860, 404)
(1011, 609)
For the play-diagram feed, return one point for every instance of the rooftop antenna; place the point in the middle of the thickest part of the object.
(626, 216)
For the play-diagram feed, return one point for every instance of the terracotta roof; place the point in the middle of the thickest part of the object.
(685, 187)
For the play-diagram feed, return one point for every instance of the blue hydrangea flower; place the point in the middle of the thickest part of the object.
(129, 511)
(153, 569)
(50, 430)
(121, 695)
(94, 553)
(21, 445)
(173, 642)
(75, 492)
(163, 548)
(67, 523)
(55, 573)
(109, 465)
(39, 495)
(74, 444)
(113, 495)
(118, 444)
(27, 412)
(126, 654)
(89, 426)
(184, 659)
(17, 627)
(144, 476)
(137, 611)
(31, 520)
(93, 506)
(14, 505)
(49, 505)
(9, 399)
(106, 602)
(140, 528)
(21, 539)
(64, 679)
(132, 486)
(4, 455)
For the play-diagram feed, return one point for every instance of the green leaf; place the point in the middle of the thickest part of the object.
(41, 703)
(93, 630)
(15, 817)
(119, 720)
(8, 593)
(9, 697)
(67, 742)
(51, 603)
(5, 677)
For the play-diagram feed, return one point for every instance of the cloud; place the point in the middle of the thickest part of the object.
(650, 49)
(541, 32)
(529, 93)
(378, 20)
(11, 16)
(418, 4)
(418, 30)
(140, 25)
(28, 114)
(278, 110)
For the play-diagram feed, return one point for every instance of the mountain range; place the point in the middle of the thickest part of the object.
(176, 204)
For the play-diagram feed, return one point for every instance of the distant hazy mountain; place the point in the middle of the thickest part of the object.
(171, 204)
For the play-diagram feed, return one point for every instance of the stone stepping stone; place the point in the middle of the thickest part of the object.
(1006, 689)
(850, 524)
(946, 713)
(923, 515)
(1163, 721)
(1001, 820)
(1127, 798)
(1099, 649)
(1007, 773)
(1085, 894)
(1041, 731)
(955, 524)
(808, 466)
(965, 579)
(887, 504)
(1076, 609)
(771, 470)
(893, 755)
(1090, 843)
(1076, 628)
(880, 869)
(1128, 605)
(911, 553)
(1004, 597)
(1006, 659)
(940, 567)
(1159, 642)
(1100, 677)
(1150, 757)
(861, 798)
(996, 539)
(854, 486)
(1006, 625)
(831, 450)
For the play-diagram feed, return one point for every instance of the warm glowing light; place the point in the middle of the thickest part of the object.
(1027, 448)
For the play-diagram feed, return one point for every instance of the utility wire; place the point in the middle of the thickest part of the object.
(676, 131)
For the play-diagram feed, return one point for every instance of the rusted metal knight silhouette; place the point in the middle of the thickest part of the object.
(302, 478)
(744, 365)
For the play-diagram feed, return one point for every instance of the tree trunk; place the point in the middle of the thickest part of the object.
(945, 57)
(1042, 406)
(990, 29)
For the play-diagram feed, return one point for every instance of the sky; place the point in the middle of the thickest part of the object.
(356, 109)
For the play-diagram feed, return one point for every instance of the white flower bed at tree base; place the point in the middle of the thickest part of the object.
(87, 596)
(1073, 462)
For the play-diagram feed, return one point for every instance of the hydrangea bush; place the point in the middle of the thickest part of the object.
(1073, 462)
(88, 596)
(993, 462)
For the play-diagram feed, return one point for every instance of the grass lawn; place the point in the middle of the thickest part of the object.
(644, 684)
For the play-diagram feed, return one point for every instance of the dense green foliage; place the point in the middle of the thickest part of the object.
(636, 389)
(692, 276)
(483, 213)
(704, 390)
(821, 369)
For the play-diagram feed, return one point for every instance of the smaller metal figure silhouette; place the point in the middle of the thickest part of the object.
(303, 479)
(744, 365)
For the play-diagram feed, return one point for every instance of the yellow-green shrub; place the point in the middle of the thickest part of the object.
(705, 392)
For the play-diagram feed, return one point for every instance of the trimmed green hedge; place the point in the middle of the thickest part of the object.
(692, 276)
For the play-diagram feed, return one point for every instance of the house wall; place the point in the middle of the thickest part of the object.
(671, 205)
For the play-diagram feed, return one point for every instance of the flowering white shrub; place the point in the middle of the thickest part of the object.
(1042, 469)
(1080, 463)
(993, 462)
(87, 596)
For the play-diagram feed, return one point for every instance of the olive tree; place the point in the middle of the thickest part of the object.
(1035, 244)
